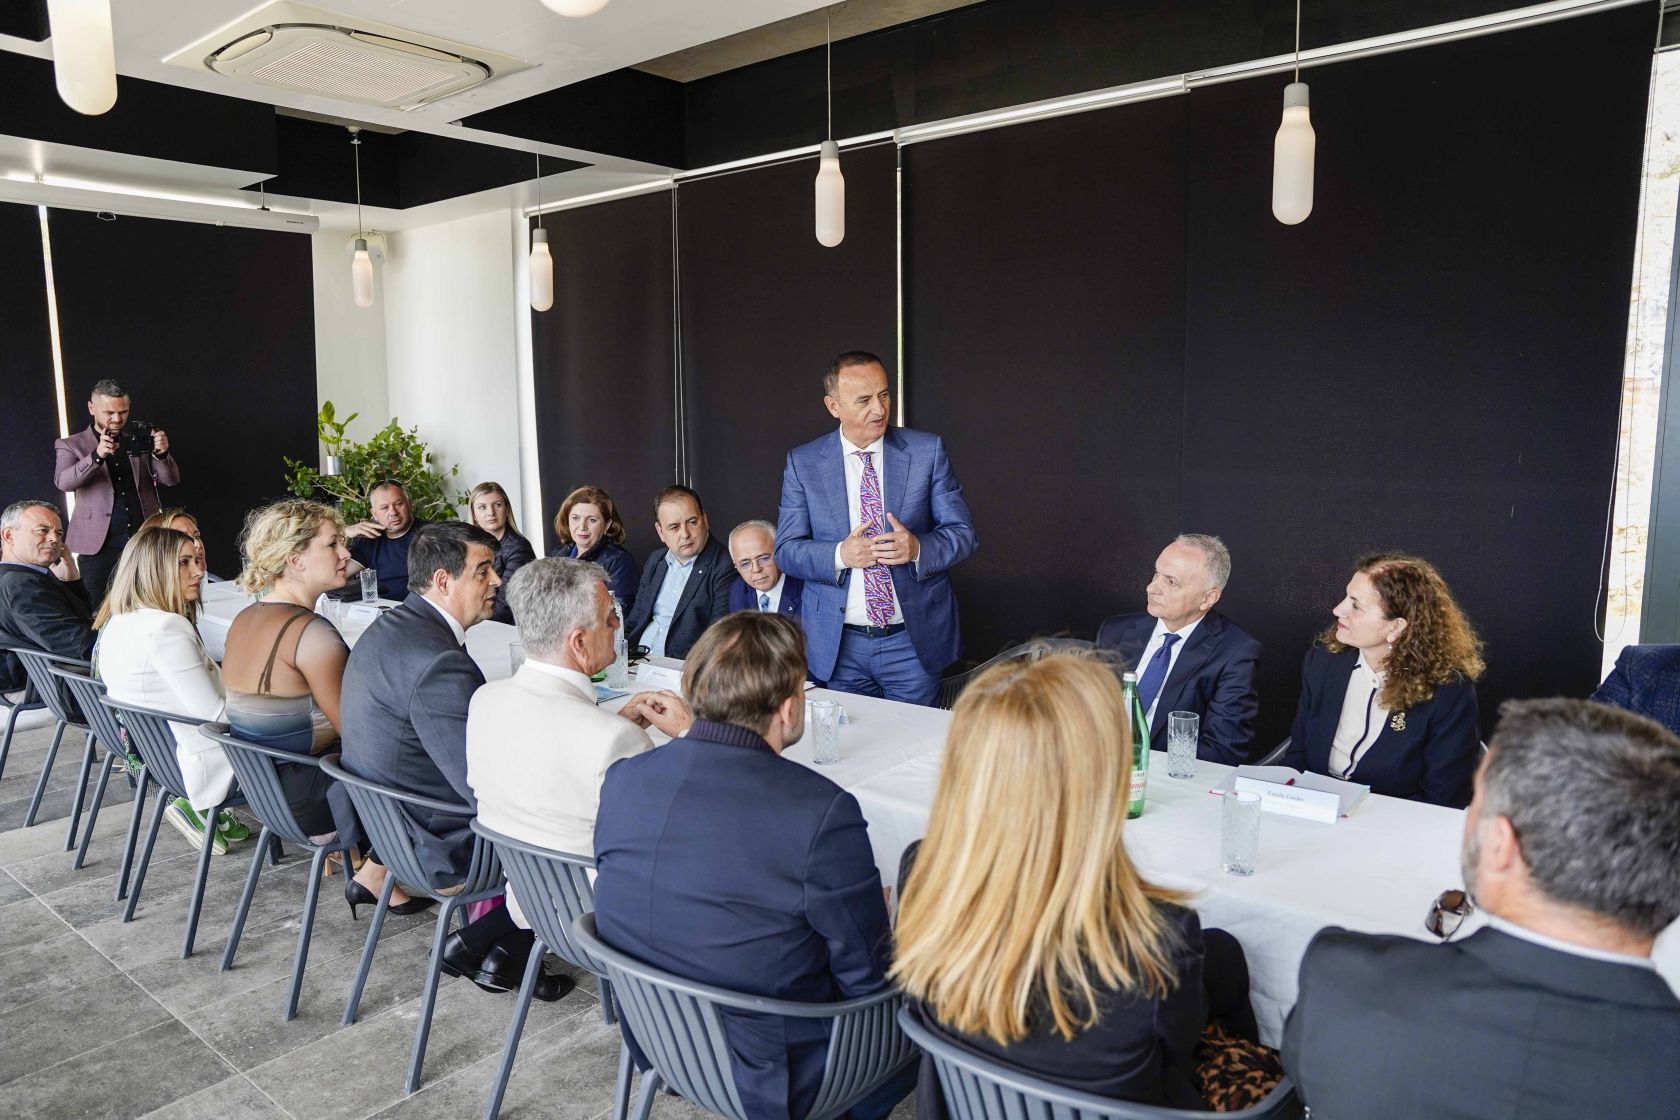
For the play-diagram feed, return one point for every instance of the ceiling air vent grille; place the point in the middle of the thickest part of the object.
(347, 65)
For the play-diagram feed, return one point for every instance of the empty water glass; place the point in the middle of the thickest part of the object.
(1183, 729)
(516, 656)
(822, 724)
(370, 585)
(1239, 833)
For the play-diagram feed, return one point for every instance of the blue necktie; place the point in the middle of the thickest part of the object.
(763, 601)
(1155, 673)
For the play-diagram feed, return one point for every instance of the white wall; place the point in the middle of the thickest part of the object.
(349, 340)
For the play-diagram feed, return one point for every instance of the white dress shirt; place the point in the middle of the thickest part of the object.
(857, 607)
(1362, 719)
(455, 626)
(1156, 637)
(1526, 934)
(775, 594)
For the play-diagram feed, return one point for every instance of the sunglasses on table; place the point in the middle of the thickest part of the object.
(1448, 913)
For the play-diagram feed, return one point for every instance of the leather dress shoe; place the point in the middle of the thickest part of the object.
(459, 960)
(500, 972)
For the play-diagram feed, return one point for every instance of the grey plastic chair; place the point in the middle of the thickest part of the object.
(53, 695)
(259, 780)
(89, 694)
(554, 890)
(28, 702)
(977, 1088)
(380, 808)
(951, 687)
(678, 1025)
(1275, 755)
(150, 735)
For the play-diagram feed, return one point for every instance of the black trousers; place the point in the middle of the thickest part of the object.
(98, 567)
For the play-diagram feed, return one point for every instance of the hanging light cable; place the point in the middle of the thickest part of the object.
(1293, 149)
(84, 56)
(361, 265)
(831, 185)
(541, 263)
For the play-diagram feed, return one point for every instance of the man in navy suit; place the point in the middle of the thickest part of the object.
(723, 862)
(1646, 681)
(873, 520)
(763, 586)
(685, 585)
(1189, 657)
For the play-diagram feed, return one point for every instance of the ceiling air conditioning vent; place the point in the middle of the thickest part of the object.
(308, 50)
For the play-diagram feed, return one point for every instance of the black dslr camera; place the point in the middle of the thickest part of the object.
(135, 438)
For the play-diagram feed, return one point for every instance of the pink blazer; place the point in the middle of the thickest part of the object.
(77, 470)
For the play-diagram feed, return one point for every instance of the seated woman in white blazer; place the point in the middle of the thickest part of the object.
(149, 654)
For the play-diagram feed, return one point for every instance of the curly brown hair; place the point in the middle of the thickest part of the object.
(601, 500)
(1438, 644)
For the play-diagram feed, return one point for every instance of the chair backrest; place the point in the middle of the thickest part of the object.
(976, 1088)
(88, 692)
(951, 687)
(149, 734)
(553, 890)
(39, 665)
(678, 1024)
(259, 781)
(380, 808)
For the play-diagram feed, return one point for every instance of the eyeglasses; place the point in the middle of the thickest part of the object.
(1448, 913)
(755, 562)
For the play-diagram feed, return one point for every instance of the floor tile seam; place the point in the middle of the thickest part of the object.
(113, 1041)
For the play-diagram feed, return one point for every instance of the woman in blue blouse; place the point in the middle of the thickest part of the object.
(590, 528)
(1388, 698)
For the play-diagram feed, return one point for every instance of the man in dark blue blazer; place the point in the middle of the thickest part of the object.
(685, 584)
(403, 715)
(763, 585)
(873, 520)
(723, 862)
(1554, 1010)
(1646, 681)
(1189, 657)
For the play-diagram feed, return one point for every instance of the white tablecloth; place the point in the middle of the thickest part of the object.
(487, 642)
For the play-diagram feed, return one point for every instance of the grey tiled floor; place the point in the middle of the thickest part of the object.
(101, 1020)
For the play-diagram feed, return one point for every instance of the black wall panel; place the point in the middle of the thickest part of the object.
(764, 309)
(212, 331)
(1044, 333)
(29, 416)
(604, 361)
(1432, 361)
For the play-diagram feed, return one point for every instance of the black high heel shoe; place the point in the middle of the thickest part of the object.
(357, 895)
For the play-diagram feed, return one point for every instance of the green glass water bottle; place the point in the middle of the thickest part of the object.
(1140, 744)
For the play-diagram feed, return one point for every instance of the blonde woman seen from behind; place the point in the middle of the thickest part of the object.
(149, 654)
(1025, 932)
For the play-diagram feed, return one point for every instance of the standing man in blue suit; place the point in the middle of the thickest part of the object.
(763, 586)
(873, 520)
(1188, 656)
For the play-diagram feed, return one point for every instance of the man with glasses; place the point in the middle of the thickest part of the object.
(763, 586)
(1552, 1009)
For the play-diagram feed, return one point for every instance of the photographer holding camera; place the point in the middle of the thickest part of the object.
(114, 468)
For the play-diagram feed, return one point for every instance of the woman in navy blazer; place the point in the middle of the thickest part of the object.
(1387, 693)
(590, 529)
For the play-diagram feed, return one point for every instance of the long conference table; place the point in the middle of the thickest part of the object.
(1377, 871)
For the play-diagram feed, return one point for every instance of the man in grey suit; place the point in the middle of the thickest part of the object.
(1554, 1009)
(403, 713)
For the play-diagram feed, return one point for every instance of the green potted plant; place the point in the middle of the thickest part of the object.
(354, 468)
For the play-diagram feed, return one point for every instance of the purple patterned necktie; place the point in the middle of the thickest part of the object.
(877, 581)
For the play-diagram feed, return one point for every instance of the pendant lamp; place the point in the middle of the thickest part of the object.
(361, 265)
(576, 9)
(1293, 149)
(831, 185)
(84, 59)
(541, 263)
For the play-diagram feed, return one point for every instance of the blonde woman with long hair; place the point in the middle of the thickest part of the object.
(149, 654)
(490, 509)
(1025, 932)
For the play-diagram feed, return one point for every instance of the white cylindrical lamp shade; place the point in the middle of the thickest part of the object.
(361, 274)
(542, 272)
(84, 59)
(830, 197)
(576, 9)
(1292, 158)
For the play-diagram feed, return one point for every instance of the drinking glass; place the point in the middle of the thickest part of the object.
(1239, 833)
(370, 585)
(822, 722)
(1183, 728)
(516, 656)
